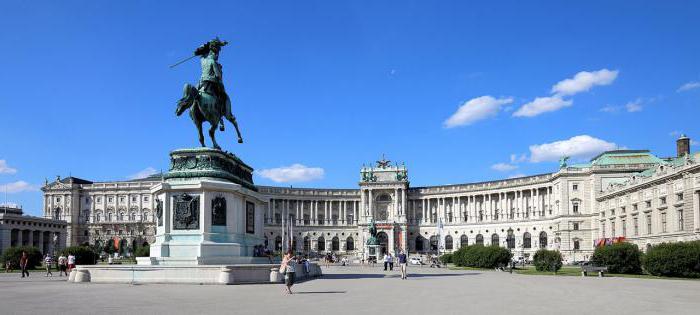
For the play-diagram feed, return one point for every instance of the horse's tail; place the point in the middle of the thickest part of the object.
(189, 95)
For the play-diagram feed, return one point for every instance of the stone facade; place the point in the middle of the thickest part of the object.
(47, 235)
(563, 210)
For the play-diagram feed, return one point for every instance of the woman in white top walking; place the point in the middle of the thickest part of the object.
(288, 268)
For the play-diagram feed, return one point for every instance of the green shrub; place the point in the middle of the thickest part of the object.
(84, 255)
(619, 258)
(109, 247)
(446, 258)
(143, 251)
(680, 259)
(547, 260)
(14, 253)
(480, 256)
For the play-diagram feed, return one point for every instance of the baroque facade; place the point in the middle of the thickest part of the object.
(569, 210)
(16, 229)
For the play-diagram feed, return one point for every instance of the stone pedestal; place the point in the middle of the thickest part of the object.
(208, 211)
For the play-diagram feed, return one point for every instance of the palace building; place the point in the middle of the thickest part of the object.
(629, 194)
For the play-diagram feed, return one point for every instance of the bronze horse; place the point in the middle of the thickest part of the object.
(207, 107)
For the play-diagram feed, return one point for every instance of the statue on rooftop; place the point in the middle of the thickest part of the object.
(208, 101)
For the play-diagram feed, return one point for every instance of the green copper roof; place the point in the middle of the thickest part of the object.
(626, 157)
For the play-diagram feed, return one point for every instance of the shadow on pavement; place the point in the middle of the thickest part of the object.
(320, 292)
(346, 276)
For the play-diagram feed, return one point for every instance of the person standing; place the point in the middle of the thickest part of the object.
(386, 261)
(402, 264)
(62, 265)
(47, 263)
(288, 268)
(391, 262)
(71, 262)
(23, 264)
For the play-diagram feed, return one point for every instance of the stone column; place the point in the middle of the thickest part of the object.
(370, 211)
(696, 210)
(423, 211)
(396, 204)
(404, 207)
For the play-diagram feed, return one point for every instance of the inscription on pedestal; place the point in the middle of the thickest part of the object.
(186, 212)
(218, 211)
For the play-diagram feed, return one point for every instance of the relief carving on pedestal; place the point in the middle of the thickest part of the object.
(218, 211)
(186, 212)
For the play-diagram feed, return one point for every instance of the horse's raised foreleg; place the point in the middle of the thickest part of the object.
(212, 135)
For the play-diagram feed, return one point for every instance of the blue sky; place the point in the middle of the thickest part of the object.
(461, 92)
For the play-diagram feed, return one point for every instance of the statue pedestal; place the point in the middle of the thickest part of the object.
(208, 211)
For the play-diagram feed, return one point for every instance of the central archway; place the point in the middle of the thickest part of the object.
(383, 239)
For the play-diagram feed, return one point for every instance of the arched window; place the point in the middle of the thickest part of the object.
(109, 217)
(335, 244)
(527, 240)
(146, 216)
(543, 239)
(307, 244)
(278, 243)
(448, 242)
(463, 241)
(479, 239)
(434, 243)
(132, 216)
(419, 243)
(98, 216)
(577, 244)
(648, 247)
(321, 246)
(494, 239)
(349, 244)
(510, 239)
(120, 217)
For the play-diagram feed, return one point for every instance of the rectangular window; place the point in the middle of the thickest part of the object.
(612, 228)
(110, 199)
(648, 203)
(58, 199)
(622, 209)
(575, 208)
(649, 224)
(634, 207)
(249, 217)
(602, 228)
(99, 199)
(663, 222)
(680, 220)
(624, 228)
(574, 187)
(662, 200)
(577, 245)
(575, 226)
(145, 198)
(636, 226)
(679, 197)
(121, 199)
(612, 211)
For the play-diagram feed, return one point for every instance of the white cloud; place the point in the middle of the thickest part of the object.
(542, 105)
(610, 109)
(143, 173)
(635, 106)
(4, 169)
(578, 147)
(293, 173)
(503, 167)
(584, 81)
(514, 158)
(689, 86)
(476, 109)
(17, 187)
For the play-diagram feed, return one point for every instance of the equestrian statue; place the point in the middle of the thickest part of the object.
(208, 101)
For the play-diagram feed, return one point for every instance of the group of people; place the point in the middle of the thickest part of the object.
(64, 264)
(402, 260)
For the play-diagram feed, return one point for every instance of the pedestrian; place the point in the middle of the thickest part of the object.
(23, 264)
(62, 265)
(391, 262)
(402, 264)
(288, 269)
(47, 262)
(8, 266)
(71, 262)
(386, 261)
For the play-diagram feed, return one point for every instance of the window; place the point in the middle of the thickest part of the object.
(527, 240)
(463, 241)
(133, 199)
(577, 245)
(679, 197)
(612, 228)
(575, 226)
(510, 239)
(99, 199)
(87, 199)
(635, 207)
(622, 209)
(121, 199)
(448, 242)
(680, 220)
(109, 232)
(574, 187)
(662, 200)
(349, 244)
(649, 224)
(602, 228)
(109, 216)
(58, 199)
(110, 199)
(575, 207)
(648, 203)
(663, 222)
(543, 239)
(612, 211)
(494, 239)
(636, 226)
(145, 198)
(624, 228)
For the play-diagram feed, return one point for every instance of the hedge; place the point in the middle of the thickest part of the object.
(143, 251)
(480, 256)
(619, 258)
(14, 253)
(84, 255)
(446, 258)
(679, 259)
(547, 260)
